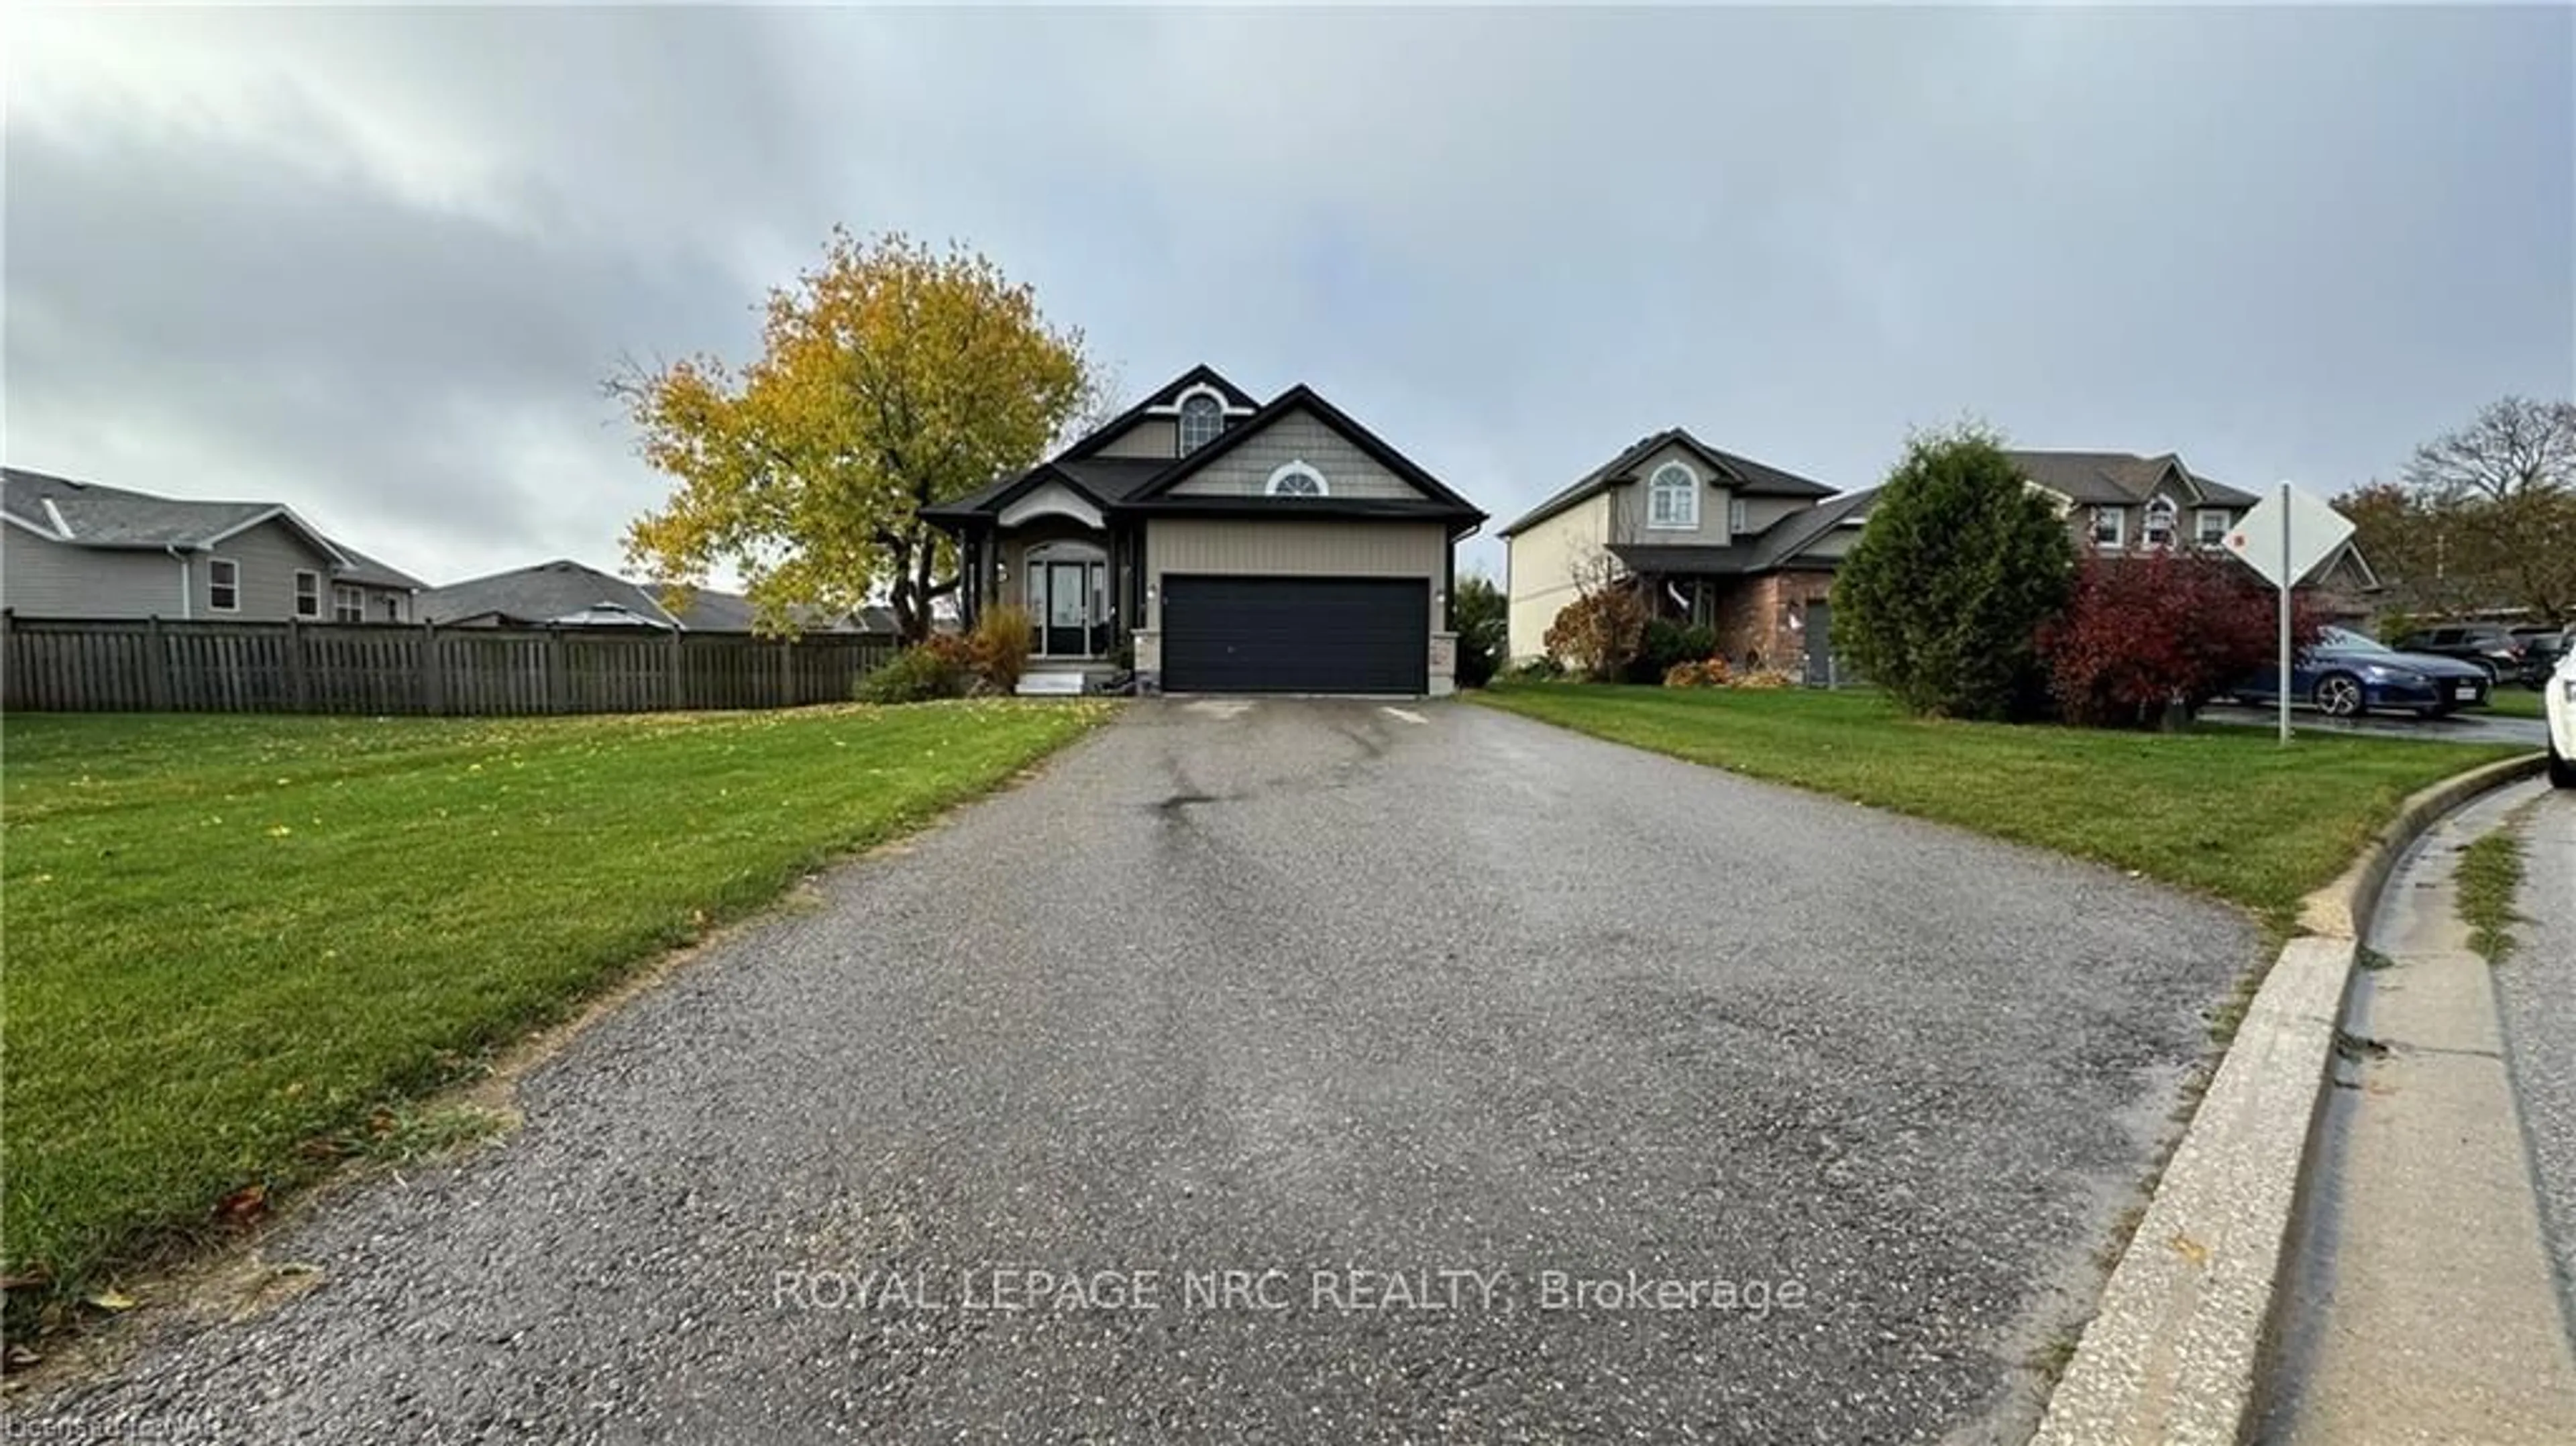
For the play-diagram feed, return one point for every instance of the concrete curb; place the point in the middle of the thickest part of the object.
(2175, 1352)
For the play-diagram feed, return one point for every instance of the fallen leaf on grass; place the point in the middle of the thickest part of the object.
(18, 1358)
(111, 1300)
(243, 1205)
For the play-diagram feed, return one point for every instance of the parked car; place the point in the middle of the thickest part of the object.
(2559, 706)
(2542, 647)
(2491, 646)
(2345, 675)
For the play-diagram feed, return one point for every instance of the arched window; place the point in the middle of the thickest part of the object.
(2160, 522)
(1672, 498)
(1202, 417)
(1296, 479)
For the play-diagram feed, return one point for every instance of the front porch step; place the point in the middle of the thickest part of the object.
(1051, 684)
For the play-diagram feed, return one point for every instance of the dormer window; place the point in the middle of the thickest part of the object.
(1296, 479)
(1202, 417)
(1672, 498)
(2160, 522)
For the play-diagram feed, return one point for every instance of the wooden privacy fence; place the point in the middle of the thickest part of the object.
(157, 666)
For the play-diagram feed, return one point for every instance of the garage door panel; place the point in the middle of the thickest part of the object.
(1241, 634)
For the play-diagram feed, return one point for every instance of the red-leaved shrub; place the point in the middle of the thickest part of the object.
(1598, 633)
(2144, 632)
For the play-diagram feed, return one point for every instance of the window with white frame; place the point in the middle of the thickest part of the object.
(1296, 479)
(1202, 417)
(1672, 498)
(2209, 527)
(308, 594)
(2161, 517)
(2110, 528)
(348, 605)
(1735, 516)
(223, 585)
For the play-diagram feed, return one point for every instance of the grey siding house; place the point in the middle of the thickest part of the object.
(1231, 545)
(565, 593)
(81, 550)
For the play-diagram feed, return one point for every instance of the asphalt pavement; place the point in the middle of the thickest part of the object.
(2536, 990)
(2472, 727)
(1369, 1072)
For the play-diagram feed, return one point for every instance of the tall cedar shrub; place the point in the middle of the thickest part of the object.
(1942, 599)
(1482, 615)
(2147, 632)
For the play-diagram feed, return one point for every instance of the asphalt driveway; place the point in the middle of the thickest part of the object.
(1431, 1025)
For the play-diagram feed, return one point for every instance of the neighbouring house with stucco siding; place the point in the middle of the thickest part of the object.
(82, 550)
(1218, 543)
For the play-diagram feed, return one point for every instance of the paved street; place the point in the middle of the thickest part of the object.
(2420, 1307)
(1370, 997)
(2537, 992)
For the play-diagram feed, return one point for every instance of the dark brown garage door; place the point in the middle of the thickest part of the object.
(1296, 634)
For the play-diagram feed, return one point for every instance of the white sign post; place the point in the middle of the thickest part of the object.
(2284, 536)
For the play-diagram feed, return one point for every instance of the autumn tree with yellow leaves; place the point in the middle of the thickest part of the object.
(891, 377)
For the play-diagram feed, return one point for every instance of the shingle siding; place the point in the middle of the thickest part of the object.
(1299, 436)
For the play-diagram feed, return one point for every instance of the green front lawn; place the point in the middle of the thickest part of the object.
(2512, 700)
(236, 945)
(2226, 811)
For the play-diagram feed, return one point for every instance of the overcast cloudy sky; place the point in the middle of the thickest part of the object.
(373, 264)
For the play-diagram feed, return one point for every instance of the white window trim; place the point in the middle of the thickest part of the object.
(1181, 417)
(2119, 527)
(2202, 535)
(213, 563)
(1298, 468)
(1655, 483)
(304, 575)
(1735, 517)
(353, 591)
(2172, 514)
(1172, 408)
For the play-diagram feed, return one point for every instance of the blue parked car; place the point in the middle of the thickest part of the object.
(2346, 675)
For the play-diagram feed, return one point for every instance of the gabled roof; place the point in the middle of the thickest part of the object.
(1143, 484)
(91, 514)
(367, 570)
(546, 592)
(1303, 398)
(1795, 533)
(1167, 395)
(572, 594)
(1773, 547)
(1740, 474)
(2119, 479)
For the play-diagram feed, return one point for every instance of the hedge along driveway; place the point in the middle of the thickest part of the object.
(2225, 811)
(230, 938)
